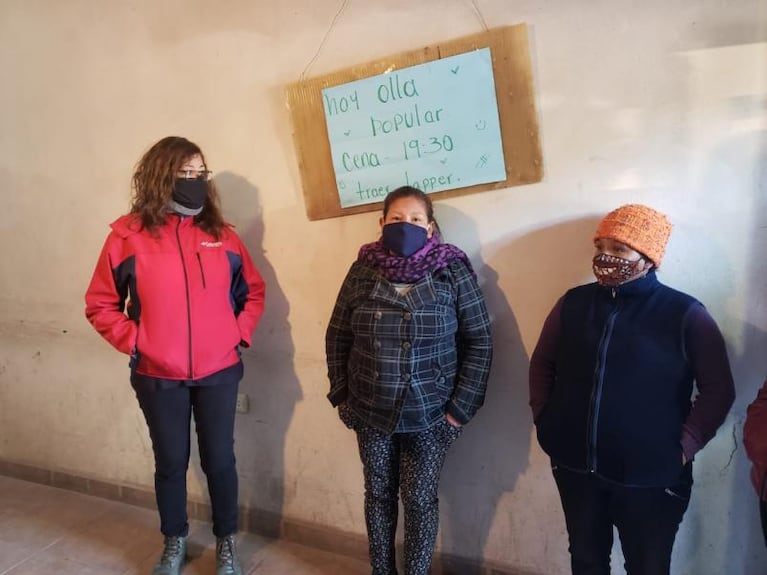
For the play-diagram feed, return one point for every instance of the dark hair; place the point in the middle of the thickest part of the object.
(411, 192)
(153, 182)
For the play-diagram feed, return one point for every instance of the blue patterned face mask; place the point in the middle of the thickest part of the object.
(403, 238)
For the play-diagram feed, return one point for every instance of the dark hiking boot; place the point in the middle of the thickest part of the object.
(226, 556)
(173, 557)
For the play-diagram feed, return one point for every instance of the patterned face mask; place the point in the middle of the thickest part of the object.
(613, 271)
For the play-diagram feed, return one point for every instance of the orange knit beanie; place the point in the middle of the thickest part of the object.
(639, 227)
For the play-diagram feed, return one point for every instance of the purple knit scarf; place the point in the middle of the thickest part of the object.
(399, 269)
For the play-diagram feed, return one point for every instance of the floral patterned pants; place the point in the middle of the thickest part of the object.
(409, 463)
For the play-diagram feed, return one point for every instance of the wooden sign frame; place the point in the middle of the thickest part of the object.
(516, 111)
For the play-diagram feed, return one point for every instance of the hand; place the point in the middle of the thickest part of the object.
(452, 420)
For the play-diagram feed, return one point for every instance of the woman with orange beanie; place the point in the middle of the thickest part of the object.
(611, 381)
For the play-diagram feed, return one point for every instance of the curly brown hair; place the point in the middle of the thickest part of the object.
(153, 182)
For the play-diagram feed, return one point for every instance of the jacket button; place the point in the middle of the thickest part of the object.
(407, 316)
(377, 344)
(406, 345)
(441, 380)
(378, 315)
(406, 377)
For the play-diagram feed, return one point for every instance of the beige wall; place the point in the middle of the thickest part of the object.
(659, 102)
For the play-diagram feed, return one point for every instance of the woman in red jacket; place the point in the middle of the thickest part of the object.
(175, 289)
(755, 441)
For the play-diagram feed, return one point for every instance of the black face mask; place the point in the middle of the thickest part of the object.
(190, 193)
(403, 238)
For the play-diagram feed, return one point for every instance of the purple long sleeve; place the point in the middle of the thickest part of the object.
(713, 378)
(543, 361)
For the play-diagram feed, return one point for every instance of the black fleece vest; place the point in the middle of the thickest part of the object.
(623, 383)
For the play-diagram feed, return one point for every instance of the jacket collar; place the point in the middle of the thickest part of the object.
(635, 288)
(422, 293)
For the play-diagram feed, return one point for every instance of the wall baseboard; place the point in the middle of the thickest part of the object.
(258, 521)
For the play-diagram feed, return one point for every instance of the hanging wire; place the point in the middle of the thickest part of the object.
(478, 12)
(325, 38)
(474, 5)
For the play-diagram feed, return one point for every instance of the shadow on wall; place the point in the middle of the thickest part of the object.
(494, 451)
(270, 379)
(486, 461)
(749, 368)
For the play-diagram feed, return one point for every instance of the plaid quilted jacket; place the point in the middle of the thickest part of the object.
(401, 362)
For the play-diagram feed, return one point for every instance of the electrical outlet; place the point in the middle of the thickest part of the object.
(243, 403)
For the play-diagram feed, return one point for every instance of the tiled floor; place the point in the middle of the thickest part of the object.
(44, 530)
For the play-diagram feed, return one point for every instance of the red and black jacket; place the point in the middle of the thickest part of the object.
(179, 300)
(755, 441)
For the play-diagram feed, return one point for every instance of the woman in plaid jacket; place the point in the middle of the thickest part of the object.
(409, 352)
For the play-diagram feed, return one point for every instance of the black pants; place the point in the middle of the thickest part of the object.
(763, 514)
(647, 519)
(410, 462)
(168, 415)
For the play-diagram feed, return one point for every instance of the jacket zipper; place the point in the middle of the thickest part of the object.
(202, 270)
(596, 390)
(188, 303)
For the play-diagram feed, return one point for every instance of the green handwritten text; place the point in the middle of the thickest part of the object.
(404, 120)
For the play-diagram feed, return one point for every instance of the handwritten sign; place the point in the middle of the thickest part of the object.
(433, 126)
